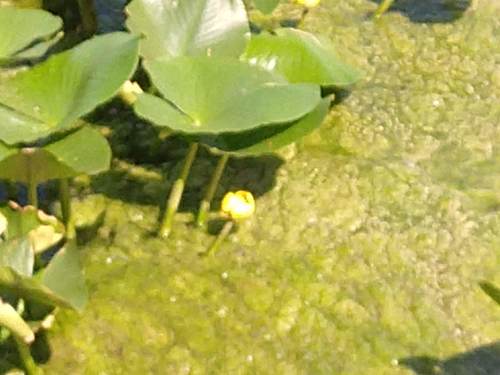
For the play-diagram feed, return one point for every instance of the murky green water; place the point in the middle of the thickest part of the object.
(368, 242)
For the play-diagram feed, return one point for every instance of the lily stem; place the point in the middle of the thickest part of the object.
(88, 16)
(383, 7)
(25, 355)
(175, 196)
(32, 193)
(226, 229)
(211, 189)
(67, 217)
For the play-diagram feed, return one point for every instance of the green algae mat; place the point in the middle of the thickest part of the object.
(370, 238)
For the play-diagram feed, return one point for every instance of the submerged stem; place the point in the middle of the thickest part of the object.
(175, 196)
(65, 199)
(88, 16)
(211, 189)
(383, 7)
(32, 194)
(25, 355)
(226, 229)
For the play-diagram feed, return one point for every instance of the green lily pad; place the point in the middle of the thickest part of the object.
(194, 27)
(64, 277)
(84, 151)
(18, 254)
(266, 6)
(216, 95)
(270, 138)
(51, 96)
(300, 57)
(61, 283)
(21, 28)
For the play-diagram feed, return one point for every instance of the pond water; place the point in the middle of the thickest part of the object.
(369, 241)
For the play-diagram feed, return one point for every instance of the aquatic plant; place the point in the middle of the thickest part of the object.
(26, 33)
(41, 137)
(215, 96)
(235, 207)
(26, 235)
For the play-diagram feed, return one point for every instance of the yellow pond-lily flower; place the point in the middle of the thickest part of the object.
(238, 205)
(309, 3)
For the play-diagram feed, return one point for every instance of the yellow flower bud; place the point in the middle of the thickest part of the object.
(309, 3)
(238, 205)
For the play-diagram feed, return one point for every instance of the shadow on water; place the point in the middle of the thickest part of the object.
(149, 162)
(430, 11)
(484, 360)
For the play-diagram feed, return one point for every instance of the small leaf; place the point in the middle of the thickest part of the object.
(271, 138)
(84, 151)
(51, 96)
(20, 28)
(10, 319)
(18, 254)
(64, 277)
(300, 57)
(189, 27)
(215, 95)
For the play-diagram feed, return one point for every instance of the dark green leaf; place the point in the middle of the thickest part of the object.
(271, 138)
(194, 27)
(300, 57)
(51, 96)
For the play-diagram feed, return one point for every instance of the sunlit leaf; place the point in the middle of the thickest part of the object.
(300, 57)
(214, 95)
(51, 96)
(270, 138)
(189, 27)
(21, 28)
(84, 151)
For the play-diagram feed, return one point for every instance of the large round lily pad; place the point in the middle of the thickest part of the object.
(300, 57)
(51, 96)
(215, 95)
(195, 27)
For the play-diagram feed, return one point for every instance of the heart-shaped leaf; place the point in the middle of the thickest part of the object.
(270, 138)
(84, 151)
(189, 27)
(300, 57)
(266, 6)
(51, 96)
(215, 95)
(61, 283)
(21, 28)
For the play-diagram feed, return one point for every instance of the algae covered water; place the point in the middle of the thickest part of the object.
(370, 238)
